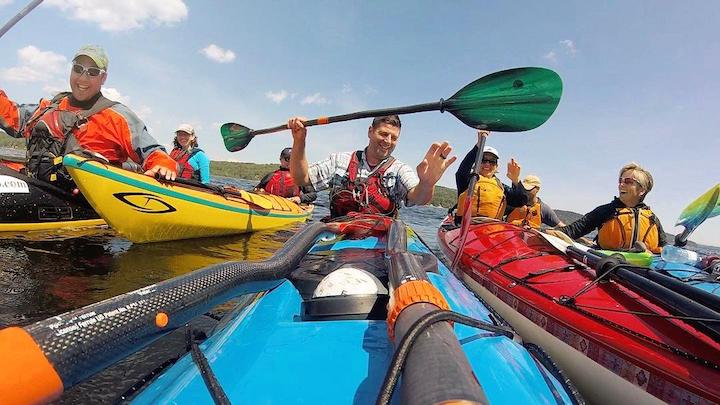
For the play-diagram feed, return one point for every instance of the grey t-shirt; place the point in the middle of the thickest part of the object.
(399, 178)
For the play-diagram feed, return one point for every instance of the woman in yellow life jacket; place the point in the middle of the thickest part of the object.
(490, 196)
(626, 220)
(535, 212)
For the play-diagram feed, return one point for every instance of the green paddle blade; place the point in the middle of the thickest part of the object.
(235, 136)
(508, 101)
(704, 207)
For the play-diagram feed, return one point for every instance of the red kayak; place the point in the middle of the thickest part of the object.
(617, 345)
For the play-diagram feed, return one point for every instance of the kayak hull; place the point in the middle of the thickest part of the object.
(144, 209)
(273, 352)
(30, 205)
(529, 283)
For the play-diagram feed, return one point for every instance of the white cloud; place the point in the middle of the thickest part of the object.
(314, 99)
(113, 94)
(551, 56)
(277, 97)
(346, 88)
(142, 111)
(220, 55)
(123, 15)
(35, 65)
(5, 2)
(569, 46)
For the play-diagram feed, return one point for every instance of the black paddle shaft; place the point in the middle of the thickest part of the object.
(702, 317)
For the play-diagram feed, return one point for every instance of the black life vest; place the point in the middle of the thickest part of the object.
(50, 137)
(282, 184)
(182, 157)
(368, 196)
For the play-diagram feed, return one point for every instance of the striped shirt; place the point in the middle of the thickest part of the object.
(399, 178)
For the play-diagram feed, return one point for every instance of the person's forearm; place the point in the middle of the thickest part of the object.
(420, 194)
(299, 164)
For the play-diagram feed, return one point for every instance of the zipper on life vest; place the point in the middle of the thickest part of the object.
(635, 227)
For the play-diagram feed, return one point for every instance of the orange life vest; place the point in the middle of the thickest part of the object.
(488, 199)
(628, 226)
(526, 215)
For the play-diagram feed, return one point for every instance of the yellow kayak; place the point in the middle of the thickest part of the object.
(144, 209)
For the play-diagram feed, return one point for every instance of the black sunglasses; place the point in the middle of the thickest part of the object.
(491, 161)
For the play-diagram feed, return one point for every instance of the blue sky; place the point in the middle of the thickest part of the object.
(640, 79)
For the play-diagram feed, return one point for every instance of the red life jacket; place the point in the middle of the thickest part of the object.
(185, 170)
(282, 184)
(368, 196)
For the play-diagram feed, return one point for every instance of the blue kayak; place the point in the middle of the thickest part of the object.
(690, 275)
(351, 312)
(276, 351)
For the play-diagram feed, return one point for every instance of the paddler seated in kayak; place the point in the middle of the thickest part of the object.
(626, 220)
(281, 183)
(370, 180)
(490, 196)
(82, 119)
(193, 163)
(535, 212)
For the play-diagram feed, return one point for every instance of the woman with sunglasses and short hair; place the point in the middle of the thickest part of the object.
(627, 219)
(281, 183)
(83, 119)
(490, 196)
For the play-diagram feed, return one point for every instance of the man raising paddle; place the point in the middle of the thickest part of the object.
(370, 180)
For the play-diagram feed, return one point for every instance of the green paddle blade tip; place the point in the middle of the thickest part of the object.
(512, 100)
(704, 207)
(235, 136)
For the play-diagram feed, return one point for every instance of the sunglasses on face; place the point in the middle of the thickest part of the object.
(489, 161)
(91, 71)
(628, 181)
(287, 159)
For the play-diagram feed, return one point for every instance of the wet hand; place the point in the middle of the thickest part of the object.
(513, 170)
(436, 161)
(297, 126)
(161, 172)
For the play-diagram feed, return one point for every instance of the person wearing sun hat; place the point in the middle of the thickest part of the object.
(281, 183)
(535, 212)
(193, 163)
(83, 119)
(490, 196)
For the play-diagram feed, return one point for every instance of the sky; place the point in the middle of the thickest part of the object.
(640, 79)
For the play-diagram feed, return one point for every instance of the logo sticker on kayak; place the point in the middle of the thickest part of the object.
(9, 184)
(144, 202)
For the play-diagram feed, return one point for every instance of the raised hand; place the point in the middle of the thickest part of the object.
(436, 161)
(297, 126)
(513, 170)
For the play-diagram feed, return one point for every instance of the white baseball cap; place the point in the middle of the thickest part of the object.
(490, 149)
(187, 128)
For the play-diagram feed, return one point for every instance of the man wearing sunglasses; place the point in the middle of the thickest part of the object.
(490, 196)
(83, 119)
(281, 183)
(626, 220)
